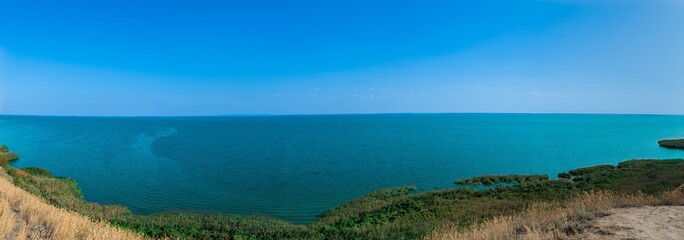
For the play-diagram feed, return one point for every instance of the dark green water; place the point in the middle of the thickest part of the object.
(296, 167)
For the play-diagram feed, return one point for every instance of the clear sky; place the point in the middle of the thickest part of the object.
(128, 57)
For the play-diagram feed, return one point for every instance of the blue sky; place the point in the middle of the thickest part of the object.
(309, 57)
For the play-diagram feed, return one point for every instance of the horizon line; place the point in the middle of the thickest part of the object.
(332, 114)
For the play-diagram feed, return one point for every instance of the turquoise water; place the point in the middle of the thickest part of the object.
(296, 167)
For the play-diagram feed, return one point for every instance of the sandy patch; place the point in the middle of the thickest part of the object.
(660, 222)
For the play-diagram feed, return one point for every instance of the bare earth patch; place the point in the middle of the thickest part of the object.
(648, 222)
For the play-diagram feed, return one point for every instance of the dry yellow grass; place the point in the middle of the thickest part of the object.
(556, 220)
(25, 216)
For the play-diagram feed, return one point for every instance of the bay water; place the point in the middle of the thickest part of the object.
(297, 167)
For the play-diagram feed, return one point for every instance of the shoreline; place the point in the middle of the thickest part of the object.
(26, 216)
(378, 208)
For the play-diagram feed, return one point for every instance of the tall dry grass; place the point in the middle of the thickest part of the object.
(25, 216)
(556, 220)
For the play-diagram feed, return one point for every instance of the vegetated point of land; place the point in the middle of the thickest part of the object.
(672, 143)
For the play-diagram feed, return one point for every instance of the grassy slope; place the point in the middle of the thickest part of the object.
(384, 214)
(573, 219)
(26, 216)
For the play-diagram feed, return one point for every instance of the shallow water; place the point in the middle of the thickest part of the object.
(296, 167)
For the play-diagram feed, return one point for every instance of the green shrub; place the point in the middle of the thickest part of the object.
(564, 176)
(494, 179)
(6, 157)
(3, 148)
(37, 171)
(591, 170)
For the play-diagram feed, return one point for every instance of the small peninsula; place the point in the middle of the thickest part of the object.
(672, 143)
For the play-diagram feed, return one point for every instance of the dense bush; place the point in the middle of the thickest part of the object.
(37, 171)
(591, 170)
(6, 157)
(3, 148)
(494, 179)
